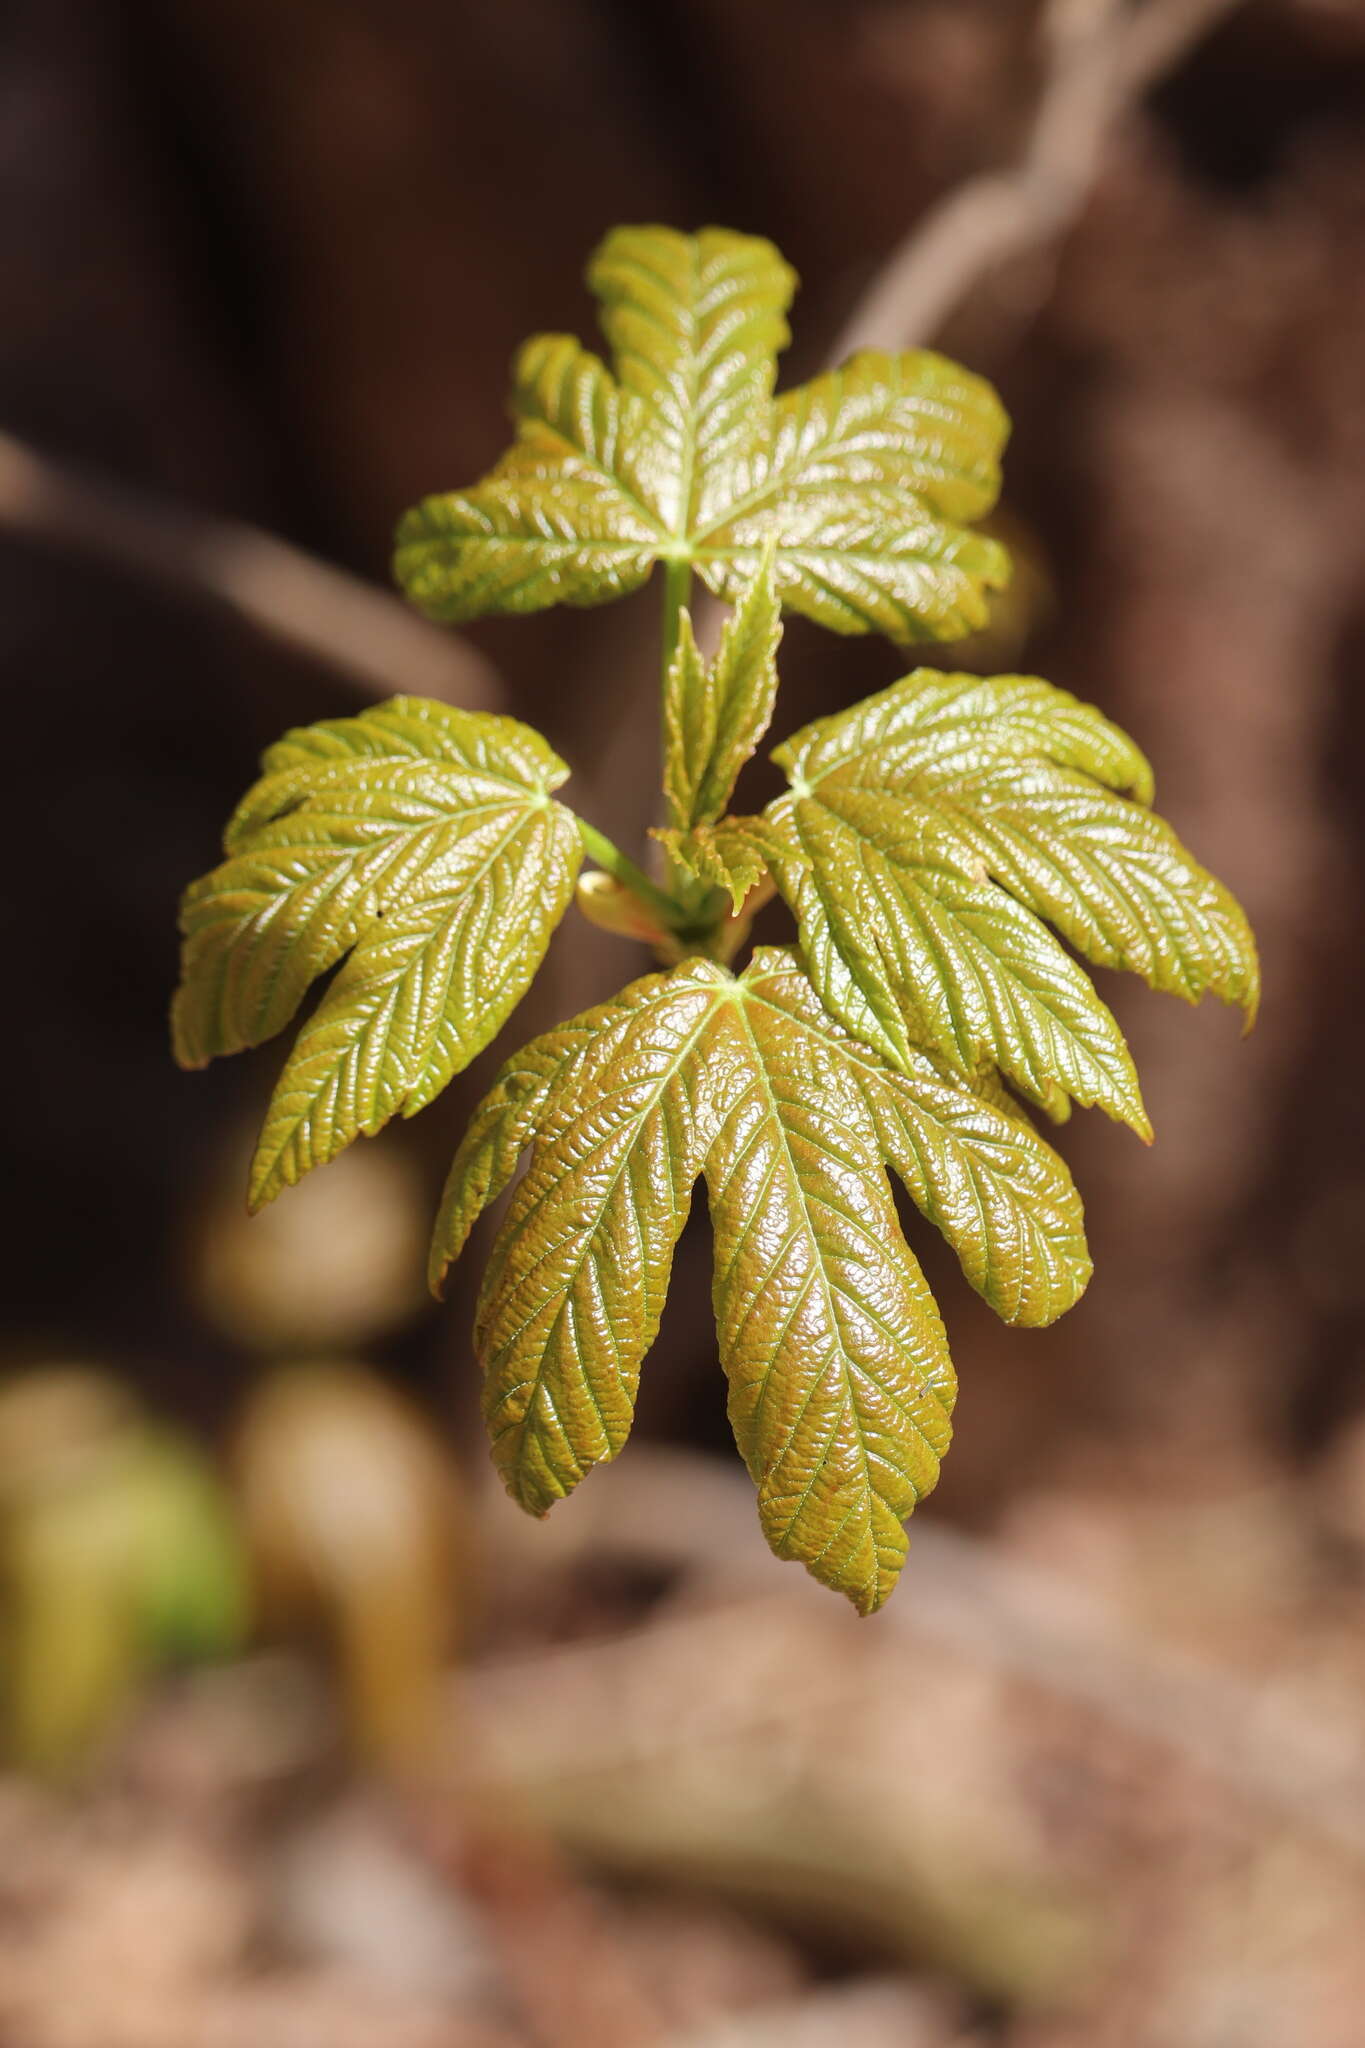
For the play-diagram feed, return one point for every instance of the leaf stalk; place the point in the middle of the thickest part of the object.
(619, 865)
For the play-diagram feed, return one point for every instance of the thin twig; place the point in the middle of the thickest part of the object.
(1101, 55)
(366, 637)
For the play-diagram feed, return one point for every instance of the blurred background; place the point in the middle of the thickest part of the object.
(308, 1736)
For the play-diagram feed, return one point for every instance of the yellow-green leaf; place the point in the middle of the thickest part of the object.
(968, 1156)
(869, 478)
(564, 518)
(497, 1134)
(841, 1387)
(931, 724)
(732, 855)
(840, 1381)
(937, 825)
(1112, 877)
(695, 323)
(715, 713)
(909, 943)
(576, 1282)
(864, 483)
(422, 843)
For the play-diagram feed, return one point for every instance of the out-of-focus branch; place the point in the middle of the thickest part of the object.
(1099, 57)
(364, 636)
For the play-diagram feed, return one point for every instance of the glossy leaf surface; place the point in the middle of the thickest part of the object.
(840, 1381)
(732, 855)
(715, 713)
(420, 846)
(864, 482)
(933, 829)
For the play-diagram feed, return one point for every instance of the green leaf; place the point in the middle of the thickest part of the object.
(870, 476)
(840, 1381)
(732, 855)
(695, 323)
(863, 482)
(716, 713)
(942, 726)
(841, 1386)
(576, 1282)
(968, 1156)
(909, 944)
(566, 517)
(1113, 879)
(496, 1136)
(421, 845)
(931, 829)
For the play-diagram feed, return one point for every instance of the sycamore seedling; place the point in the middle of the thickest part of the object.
(936, 845)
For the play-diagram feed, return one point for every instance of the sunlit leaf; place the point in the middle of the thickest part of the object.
(968, 1156)
(576, 1281)
(840, 1382)
(930, 831)
(715, 713)
(695, 323)
(422, 846)
(732, 855)
(863, 482)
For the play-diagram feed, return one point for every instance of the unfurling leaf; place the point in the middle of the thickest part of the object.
(863, 482)
(421, 845)
(732, 855)
(930, 830)
(716, 713)
(840, 1381)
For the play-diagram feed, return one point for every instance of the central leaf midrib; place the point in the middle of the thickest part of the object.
(367, 1024)
(740, 997)
(536, 1380)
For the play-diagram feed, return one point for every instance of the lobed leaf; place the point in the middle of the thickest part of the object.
(841, 1387)
(869, 478)
(732, 855)
(1114, 880)
(423, 843)
(840, 1382)
(863, 482)
(696, 323)
(929, 832)
(931, 724)
(564, 518)
(907, 945)
(969, 1159)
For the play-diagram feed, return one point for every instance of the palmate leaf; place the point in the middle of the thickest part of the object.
(930, 831)
(841, 1386)
(420, 845)
(863, 482)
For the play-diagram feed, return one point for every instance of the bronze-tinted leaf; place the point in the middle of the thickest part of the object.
(862, 483)
(840, 1381)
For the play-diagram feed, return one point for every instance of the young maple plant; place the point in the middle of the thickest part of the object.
(931, 844)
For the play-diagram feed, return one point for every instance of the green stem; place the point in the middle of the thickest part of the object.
(601, 849)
